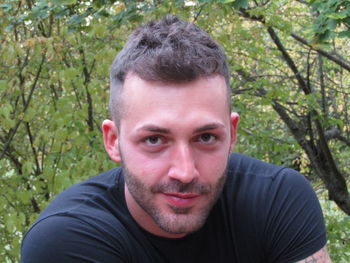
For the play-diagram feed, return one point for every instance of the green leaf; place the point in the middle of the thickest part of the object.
(39, 12)
(64, 2)
(328, 34)
(71, 73)
(61, 134)
(29, 115)
(338, 16)
(7, 123)
(27, 167)
(331, 24)
(237, 4)
(5, 110)
(24, 197)
(7, 7)
(10, 223)
(226, 1)
(344, 34)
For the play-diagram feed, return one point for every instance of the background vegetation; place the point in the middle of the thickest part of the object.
(290, 81)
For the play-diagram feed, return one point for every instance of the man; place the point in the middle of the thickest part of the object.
(180, 195)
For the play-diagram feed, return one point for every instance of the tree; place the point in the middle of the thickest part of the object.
(324, 115)
(289, 87)
(54, 94)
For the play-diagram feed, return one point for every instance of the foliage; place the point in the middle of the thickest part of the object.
(332, 19)
(338, 229)
(54, 94)
(55, 57)
(282, 71)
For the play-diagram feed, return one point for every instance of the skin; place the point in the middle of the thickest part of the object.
(174, 141)
(319, 257)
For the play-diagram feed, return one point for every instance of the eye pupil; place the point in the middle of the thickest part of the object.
(153, 139)
(206, 137)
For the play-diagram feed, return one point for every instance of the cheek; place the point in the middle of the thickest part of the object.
(212, 165)
(145, 164)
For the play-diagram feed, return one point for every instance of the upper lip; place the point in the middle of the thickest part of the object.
(182, 195)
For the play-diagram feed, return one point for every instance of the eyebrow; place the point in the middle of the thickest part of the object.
(157, 129)
(154, 128)
(210, 126)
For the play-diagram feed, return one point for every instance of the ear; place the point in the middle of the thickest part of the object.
(234, 125)
(111, 140)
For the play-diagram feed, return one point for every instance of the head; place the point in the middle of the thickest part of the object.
(171, 126)
(167, 50)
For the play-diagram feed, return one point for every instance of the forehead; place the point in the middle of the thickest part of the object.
(155, 101)
(134, 87)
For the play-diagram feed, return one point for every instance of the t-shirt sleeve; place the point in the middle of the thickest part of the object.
(294, 224)
(67, 239)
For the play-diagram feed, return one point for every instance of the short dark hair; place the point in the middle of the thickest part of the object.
(166, 50)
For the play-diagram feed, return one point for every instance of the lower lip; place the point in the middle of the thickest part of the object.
(180, 202)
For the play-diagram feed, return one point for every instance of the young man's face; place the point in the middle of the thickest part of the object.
(174, 141)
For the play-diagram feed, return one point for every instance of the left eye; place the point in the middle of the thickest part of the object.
(207, 138)
(153, 140)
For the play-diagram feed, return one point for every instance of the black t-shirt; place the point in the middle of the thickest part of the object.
(266, 213)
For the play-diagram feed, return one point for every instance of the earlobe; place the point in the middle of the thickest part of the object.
(110, 139)
(234, 125)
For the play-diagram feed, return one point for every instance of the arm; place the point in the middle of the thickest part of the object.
(320, 256)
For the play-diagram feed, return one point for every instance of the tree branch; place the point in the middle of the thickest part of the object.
(198, 13)
(324, 53)
(335, 133)
(322, 84)
(31, 140)
(301, 40)
(302, 84)
(90, 120)
(14, 130)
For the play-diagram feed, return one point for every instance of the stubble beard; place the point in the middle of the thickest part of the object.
(180, 220)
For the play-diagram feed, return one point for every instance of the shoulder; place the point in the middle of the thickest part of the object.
(266, 186)
(79, 195)
(242, 165)
(246, 176)
(69, 239)
(82, 220)
(278, 205)
(245, 171)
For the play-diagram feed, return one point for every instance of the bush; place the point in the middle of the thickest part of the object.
(338, 230)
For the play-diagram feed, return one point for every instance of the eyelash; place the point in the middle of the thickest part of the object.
(162, 139)
(146, 140)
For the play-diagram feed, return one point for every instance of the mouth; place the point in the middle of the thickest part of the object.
(181, 199)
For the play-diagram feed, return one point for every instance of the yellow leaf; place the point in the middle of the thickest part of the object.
(30, 42)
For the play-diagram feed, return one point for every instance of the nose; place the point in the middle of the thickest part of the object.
(183, 166)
